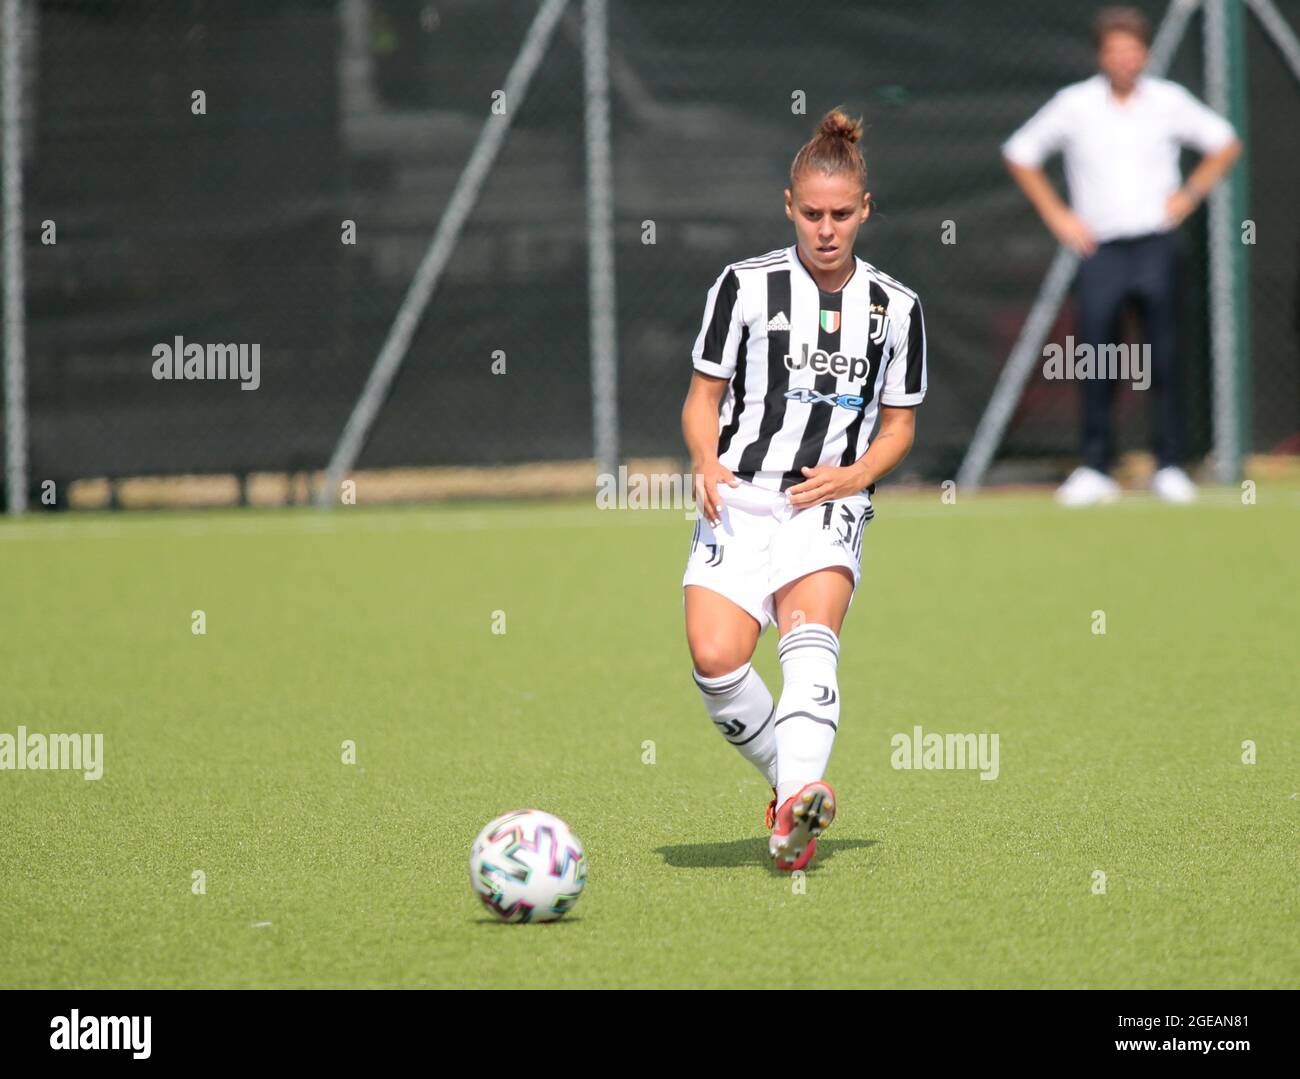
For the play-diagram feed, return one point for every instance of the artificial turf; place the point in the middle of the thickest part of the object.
(1120, 753)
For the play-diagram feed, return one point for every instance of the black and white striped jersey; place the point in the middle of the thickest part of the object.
(808, 369)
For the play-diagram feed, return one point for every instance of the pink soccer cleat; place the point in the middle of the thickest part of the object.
(799, 821)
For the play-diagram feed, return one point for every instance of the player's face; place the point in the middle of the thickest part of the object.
(826, 211)
(1121, 59)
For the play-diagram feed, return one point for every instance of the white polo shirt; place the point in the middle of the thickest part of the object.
(1121, 160)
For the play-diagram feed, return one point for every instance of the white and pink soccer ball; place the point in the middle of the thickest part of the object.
(527, 866)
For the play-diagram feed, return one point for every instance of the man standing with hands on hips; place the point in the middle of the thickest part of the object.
(1120, 132)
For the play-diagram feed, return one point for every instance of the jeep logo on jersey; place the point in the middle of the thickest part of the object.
(854, 368)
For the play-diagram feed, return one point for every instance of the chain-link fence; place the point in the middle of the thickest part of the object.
(199, 171)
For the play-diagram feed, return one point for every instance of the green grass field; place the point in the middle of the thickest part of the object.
(222, 753)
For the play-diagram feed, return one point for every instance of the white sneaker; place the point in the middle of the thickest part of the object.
(1173, 485)
(1087, 486)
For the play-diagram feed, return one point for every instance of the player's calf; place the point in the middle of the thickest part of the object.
(808, 714)
(740, 705)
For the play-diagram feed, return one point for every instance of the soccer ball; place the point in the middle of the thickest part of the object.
(527, 866)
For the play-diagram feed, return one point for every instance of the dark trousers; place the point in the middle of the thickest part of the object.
(1146, 270)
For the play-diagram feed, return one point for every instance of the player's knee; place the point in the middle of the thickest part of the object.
(716, 656)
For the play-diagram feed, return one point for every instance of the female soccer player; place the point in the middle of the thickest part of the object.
(808, 343)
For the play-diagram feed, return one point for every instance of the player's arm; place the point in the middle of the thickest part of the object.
(1042, 135)
(1064, 223)
(1199, 127)
(1202, 181)
(700, 430)
(893, 440)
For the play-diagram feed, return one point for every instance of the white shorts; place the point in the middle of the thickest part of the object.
(762, 543)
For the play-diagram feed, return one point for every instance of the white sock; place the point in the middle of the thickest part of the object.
(808, 713)
(740, 705)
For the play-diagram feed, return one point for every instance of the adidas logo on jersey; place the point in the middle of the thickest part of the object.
(835, 363)
(779, 322)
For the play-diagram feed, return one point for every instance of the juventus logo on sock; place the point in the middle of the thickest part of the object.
(826, 696)
(730, 728)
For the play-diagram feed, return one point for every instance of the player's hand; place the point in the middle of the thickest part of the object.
(1178, 207)
(707, 499)
(825, 483)
(1070, 231)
